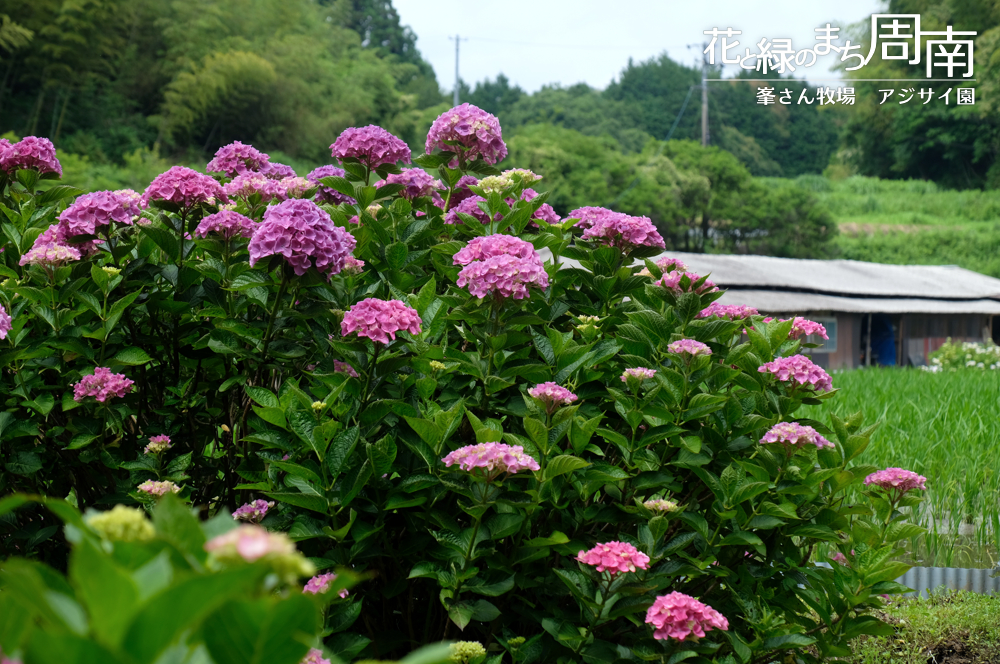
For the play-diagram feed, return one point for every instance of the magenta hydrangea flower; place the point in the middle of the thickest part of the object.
(303, 233)
(800, 370)
(102, 385)
(500, 264)
(353, 266)
(840, 558)
(728, 311)
(641, 373)
(380, 319)
(689, 347)
(417, 182)
(277, 171)
(672, 281)
(326, 194)
(251, 183)
(49, 254)
(158, 488)
(6, 322)
(476, 133)
(237, 158)
(254, 511)
(666, 264)
(90, 212)
(589, 216)
(624, 232)
(314, 656)
(802, 327)
(371, 145)
(495, 458)
(344, 368)
(545, 212)
(552, 395)
(793, 434)
(615, 557)
(251, 543)
(469, 205)
(158, 444)
(321, 583)
(31, 152)
(678, 616)
(462, 191)
(897, 480)
(226, 223)
(184, 187)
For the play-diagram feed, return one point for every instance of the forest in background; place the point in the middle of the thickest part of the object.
(127, 87)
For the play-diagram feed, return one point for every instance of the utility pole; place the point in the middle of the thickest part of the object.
(455, 95)
(704, 95)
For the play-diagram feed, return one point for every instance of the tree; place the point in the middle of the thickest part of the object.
(495, 97)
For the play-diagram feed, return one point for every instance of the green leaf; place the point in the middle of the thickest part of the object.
(57, 193)
(429, 432)
(175, 523)
(340, 450)
(395, 255)
(48, 648)
(131, 357)
(308, 501)
(788, 641)
(165, 240)
(562, 464)
(107, 591)
(461, 614)
(262, 631)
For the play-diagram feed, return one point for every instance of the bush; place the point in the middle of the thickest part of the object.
(530, 457)
(952, 356)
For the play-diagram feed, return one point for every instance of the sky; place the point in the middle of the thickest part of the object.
(540, 42)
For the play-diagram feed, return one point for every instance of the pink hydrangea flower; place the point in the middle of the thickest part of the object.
(417, 182)
(840, 558)
(802, 327)
(253, 512)
(476, 132)
(371, 145)
(589, 216)
(641, 373)
(545, 212)
(277, 171)
(500, 264)
(615, 557)
(250, 543)
(800, 370)
(295, 186)
(31, 152)
(793, 434)
(326, 194)
(689, 347)
(353, 266)
(728, 311)
(158, 488)
(158, 444)
(344, 368)
(380, 319)
(6, 322)
(462, 191)
(102, 385)
(678, 616)
(184, 187)
(303, 233)
(49, 254)
(321, 583)
(314, 656)
(552, 395)
(672, 281)
(496, 458)
(469, 205)
(226, 223)
(248, 184)
(236, 159)
(624, 232)
(897, 480)
(90, 212)
(661, 505)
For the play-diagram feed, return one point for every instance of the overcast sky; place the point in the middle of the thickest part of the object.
(538, 42)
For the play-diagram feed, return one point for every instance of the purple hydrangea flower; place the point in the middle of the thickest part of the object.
(495, 458)
(321, 583)
(801, 327)
(897, 480)
(253, 512)
(614, 557)
(624, 232)
(326, 194)
(314, 656)
(679, 616)
(31, 152)
(689, 347)
(353, 266)
(799, 370)
(469, 205)
(503, 265)
(371, 145)
(158, 488)
(545, 212)
(552, 395)
(588, 216)
(380, 319)
(5, 322)
(344, 368)
(672, 281)
(417, 182)
(184, 187)
(277, 171)
(248, 184)
(158, 444)
(237, 158)
(793, 434)
(728, 311)
(49, 252)
(102, 385)
(303, 233)
(476, 132)
(226, 223)
(462, 190)
(90, 212)
(641, 373)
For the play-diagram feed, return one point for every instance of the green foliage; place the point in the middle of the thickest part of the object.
(952, 356)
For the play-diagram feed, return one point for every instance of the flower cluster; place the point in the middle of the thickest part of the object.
(236, 159)
(6, 322)
(666, 264)
(158, 444)
(552, 395)
(277, 171)
(800, 370)
(352, 266)
(503, 265)
(896, 479)
(314, 656)
(494, 457)
(672, 281)
(469, 205)
(295, 187)
(589, 216)
(793, 434)
(461, 190)
(226, 223)
(463, 652)
(615, 557)
(92, 211)
(624, 232)
(380, 320)
(678, 616)
(371, 145)
(416, 182)
(321, 583)
(303, 233)
(470, 131)
(102, 385)
(545, 212)
(248, 184)
(48, 251)
(253, 512)
(249, 543)
(638, 372)
(158, 488)
(31, 152)
(326, 194)
(689, 347)
(728, 311)
(122, 524)
(344, 368)
(526, 177)
(661, 505)
(802, 327)
(184, 187)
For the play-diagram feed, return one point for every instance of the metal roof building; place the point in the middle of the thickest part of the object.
(874, 313)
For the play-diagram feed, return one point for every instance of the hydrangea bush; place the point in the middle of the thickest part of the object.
(394, 374)
(955, 355)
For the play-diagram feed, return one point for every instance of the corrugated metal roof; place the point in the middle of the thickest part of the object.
(768, 301)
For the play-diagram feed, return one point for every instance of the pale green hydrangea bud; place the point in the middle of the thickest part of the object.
(122, 524)
(111, 271)
(464, 651)
(661, 505)
(516, 642)
(495, 183)
(438, 366)
(527, 177)
(318, 405)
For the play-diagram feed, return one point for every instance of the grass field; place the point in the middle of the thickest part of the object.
(947, 427)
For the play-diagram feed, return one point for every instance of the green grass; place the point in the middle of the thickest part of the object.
(946, 427)
(947, 627)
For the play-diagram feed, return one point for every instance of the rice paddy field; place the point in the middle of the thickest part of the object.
(945, 426)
